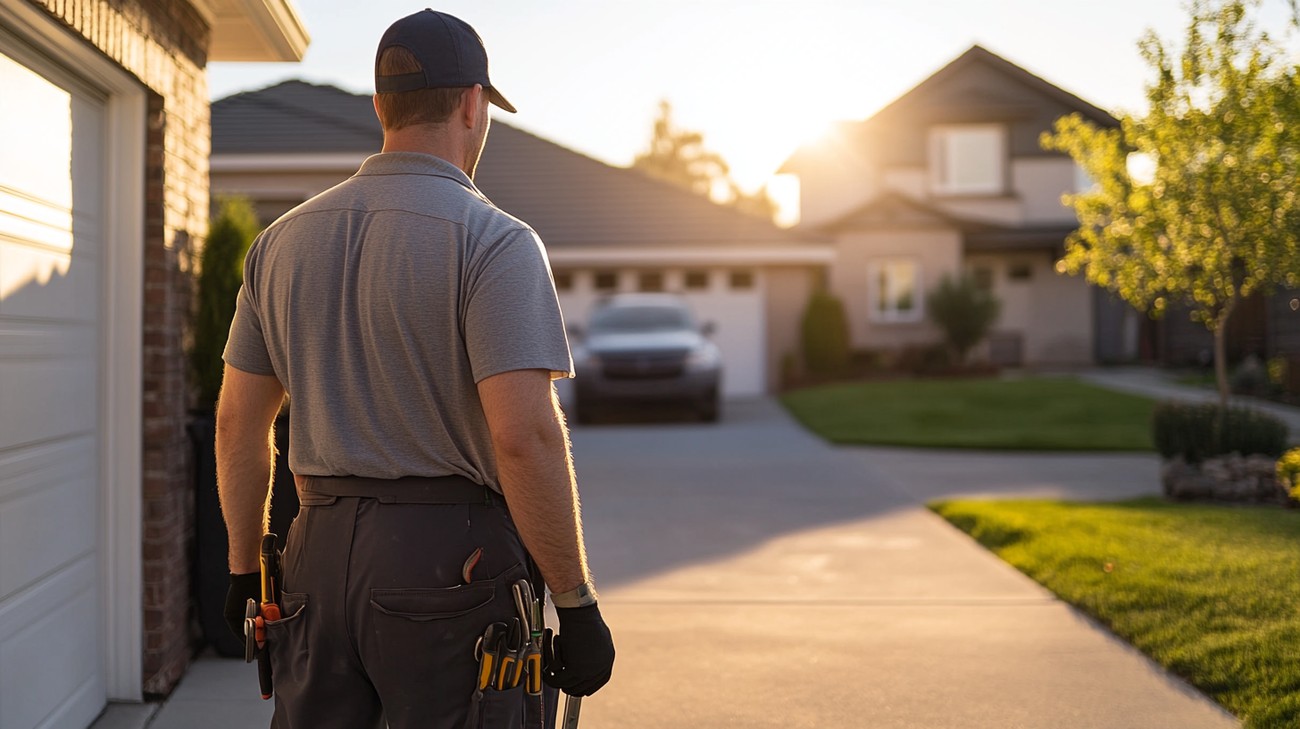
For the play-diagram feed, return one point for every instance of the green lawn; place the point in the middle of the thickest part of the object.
(1028, 414)
(1210, 592)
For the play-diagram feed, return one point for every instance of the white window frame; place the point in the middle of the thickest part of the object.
(942, 162)
(894, 315)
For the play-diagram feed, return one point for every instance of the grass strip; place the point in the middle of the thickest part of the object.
(1209, 592)
(1058, 414)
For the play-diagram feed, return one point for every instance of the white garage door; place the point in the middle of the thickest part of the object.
(52, 137)
(729, 298)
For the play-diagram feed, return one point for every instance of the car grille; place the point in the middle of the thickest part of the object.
(643, 365)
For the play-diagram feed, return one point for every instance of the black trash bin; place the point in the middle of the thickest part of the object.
(211, 571)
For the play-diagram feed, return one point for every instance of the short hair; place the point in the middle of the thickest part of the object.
(408, 108)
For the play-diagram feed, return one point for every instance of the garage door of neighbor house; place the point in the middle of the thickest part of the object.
(52, 137)
(732, 300)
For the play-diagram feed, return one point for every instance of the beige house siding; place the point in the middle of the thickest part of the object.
(788, 291)
(1050, 314)
(1040, 182)
(937, 252)
(836, 190)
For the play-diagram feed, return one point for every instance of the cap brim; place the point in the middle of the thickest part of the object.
(495, 97)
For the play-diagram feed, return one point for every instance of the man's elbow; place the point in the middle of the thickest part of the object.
(524, 442)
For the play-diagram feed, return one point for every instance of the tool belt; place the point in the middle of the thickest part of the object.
(406, 490)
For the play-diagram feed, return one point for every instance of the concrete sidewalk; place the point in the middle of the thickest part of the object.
(755, 576)
(1159, 385)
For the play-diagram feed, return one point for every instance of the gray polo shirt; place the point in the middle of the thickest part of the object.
(380, 303)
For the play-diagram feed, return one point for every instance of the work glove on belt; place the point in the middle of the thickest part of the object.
(242, 587)
(582, 655)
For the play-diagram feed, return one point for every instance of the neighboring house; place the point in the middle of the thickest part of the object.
(606, 228)
(103, 204)
(950, 178)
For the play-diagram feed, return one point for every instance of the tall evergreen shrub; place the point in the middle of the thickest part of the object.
(825, 335)
(221, 272)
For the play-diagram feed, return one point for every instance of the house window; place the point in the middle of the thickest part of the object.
(563, 280)
(605, 281)
(1020, 271)
(893, 286)
(650, 281)
(741, 280)
(983, 277)
(697, 280)
(968, 159)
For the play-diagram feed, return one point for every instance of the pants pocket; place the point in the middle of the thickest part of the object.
(422, 644)
(499, 710)
(287, 637)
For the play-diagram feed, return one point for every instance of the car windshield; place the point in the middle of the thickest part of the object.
(640, 319)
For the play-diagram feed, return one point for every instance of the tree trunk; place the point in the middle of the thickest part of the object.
(1221, 352)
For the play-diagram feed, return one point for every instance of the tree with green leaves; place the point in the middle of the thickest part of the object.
(1217, 218)
(221, 273)
(965, 312)
(678, 155)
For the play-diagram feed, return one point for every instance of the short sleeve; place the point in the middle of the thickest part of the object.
(246, 346)
(512, 318)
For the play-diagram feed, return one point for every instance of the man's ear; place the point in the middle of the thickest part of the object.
(470, 102)
(374, 101)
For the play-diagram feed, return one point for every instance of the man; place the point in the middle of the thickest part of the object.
(415, 328)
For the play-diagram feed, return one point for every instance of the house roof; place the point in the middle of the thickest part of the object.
(569, 198)
(917, 102)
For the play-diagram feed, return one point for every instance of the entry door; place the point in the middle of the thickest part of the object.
(52, 137)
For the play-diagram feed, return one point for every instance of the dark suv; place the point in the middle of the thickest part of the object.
(646, 348)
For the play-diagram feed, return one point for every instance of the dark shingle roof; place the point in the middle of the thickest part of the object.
(295, 117)
(571, 199)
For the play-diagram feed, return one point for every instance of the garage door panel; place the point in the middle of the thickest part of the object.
(43, 400)
(28, 339)
(44, 284)
(48, 527)
(739, 333)
(52, 191)
(40, 170)
(26, 218)
(52, 659)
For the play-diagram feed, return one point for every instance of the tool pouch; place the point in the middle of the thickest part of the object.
(493, 709)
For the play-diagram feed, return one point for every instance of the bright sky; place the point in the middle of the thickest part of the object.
(757, 77)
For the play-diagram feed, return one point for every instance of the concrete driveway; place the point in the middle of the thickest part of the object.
(757, 577)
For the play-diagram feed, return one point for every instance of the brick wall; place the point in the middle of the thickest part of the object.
(164, 44)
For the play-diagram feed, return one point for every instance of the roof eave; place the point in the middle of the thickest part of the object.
(255, 30)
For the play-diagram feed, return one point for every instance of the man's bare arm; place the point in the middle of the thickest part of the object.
(246, 460)
(536, 472)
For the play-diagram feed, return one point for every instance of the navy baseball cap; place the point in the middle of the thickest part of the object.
(449, 51)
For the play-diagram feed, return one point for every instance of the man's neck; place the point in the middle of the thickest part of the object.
(428, 140)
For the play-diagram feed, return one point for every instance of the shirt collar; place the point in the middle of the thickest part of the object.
(416, 163)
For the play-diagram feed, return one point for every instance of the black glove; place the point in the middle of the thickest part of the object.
(242, 587)
(581, 658)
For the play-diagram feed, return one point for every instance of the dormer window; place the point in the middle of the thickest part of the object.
(968, 159)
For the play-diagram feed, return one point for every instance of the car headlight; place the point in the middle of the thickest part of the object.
(703, 359)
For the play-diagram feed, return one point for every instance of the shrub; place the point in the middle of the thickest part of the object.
(221, 272)
(965, 312)
(1288, 472)
(1197, 432)
(825, 335)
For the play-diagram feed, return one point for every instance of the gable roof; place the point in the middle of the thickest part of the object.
(965, 104)
(977, 55)
(569, 198)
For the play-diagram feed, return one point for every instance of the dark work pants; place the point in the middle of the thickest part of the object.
(379, 626)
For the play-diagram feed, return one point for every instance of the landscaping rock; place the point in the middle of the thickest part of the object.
(1235, 478)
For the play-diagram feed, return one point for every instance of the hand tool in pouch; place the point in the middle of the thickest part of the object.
(257, 615)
